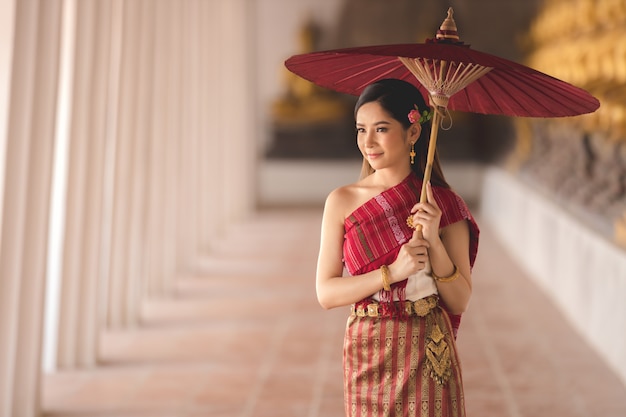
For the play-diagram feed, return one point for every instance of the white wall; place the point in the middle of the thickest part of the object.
(299, 183)
(583, 272)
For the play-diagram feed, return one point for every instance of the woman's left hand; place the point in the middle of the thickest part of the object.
(428, 215)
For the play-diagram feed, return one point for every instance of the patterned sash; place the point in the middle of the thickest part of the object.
(375, 231)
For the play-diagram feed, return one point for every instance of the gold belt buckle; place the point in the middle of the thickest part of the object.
(372, 310)
(360, 311)
(423, 306)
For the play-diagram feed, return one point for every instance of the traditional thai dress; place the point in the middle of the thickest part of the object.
(400, 356)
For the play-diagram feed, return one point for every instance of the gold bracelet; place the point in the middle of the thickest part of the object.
(384, 272)
(451, 278)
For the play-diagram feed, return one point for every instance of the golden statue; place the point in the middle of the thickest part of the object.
(303, 101)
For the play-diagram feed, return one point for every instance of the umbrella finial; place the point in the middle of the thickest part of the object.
(447, 30)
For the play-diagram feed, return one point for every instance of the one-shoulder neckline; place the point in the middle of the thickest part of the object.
(370, 200)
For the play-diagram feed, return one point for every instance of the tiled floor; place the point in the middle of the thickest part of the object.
(243, 336)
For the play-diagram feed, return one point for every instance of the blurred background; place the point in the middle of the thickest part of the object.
(149, 148)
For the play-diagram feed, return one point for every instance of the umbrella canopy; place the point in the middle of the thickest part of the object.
(506, 87)
(452, 75)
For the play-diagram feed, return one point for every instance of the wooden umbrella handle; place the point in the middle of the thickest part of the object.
(432, 146)
(430, 157)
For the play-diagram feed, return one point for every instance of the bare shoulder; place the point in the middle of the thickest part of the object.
(340, 200)
(344, 200)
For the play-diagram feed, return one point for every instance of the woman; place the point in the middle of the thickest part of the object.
(407, 288)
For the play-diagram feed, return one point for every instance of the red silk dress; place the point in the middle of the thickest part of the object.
(399, 363)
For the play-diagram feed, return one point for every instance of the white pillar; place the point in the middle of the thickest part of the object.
(15, 199)
(91, 301)
(227, 152)
(59, 188)
(210, 161)
(130, 252)
(25, 215)
(155, 175)
(171, 135)
(111, 131)
(187, 218)
(72, 276)
(120, 306)
(140, 166)
(160, 268)
(81, 300)
(7, 27)
(238, 112)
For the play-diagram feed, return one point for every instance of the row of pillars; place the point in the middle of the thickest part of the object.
(126, 148)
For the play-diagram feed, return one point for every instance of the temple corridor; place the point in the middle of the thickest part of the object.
(243, 336)
(161, 181)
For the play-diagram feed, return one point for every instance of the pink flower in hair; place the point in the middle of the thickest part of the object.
(414, 115)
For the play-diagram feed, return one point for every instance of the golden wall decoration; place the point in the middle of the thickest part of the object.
(582, 42)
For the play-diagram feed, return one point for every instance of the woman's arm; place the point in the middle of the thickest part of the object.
(334, 290)
(448, 249)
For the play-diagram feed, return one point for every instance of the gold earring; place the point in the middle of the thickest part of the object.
(412, 153)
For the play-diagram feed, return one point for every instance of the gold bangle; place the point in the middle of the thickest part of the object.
(451, 278)
(384, 272)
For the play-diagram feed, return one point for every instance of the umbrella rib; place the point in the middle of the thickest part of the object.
(357, 74)
(443, 77)
(474, 72)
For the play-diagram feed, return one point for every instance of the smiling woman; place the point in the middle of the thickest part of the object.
(398, 100)
(378, 137)
(408, 288)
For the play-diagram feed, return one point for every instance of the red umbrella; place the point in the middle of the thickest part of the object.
(509, 88)
(454, 76)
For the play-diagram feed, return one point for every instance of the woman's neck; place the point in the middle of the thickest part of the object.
(388, 178)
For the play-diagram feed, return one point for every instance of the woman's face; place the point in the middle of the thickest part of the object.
(382, 140)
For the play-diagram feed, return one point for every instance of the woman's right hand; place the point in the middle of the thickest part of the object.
(413, 257)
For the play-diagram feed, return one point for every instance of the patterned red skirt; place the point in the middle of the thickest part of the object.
(403, 366)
